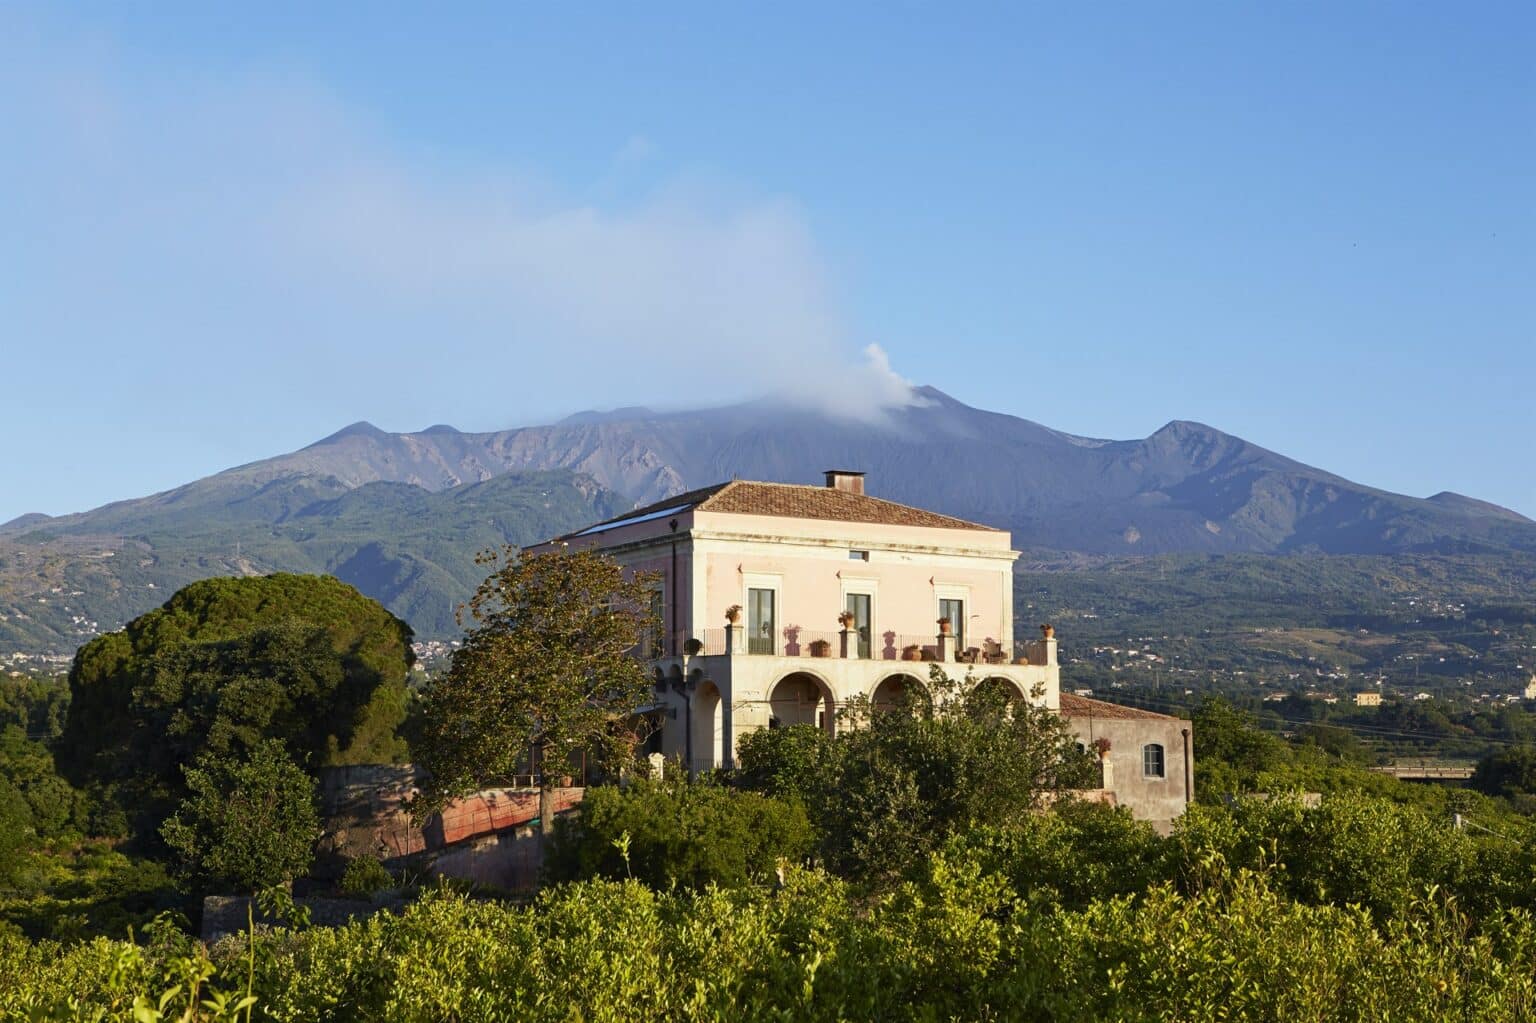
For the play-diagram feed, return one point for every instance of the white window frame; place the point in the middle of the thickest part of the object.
(757, 581)
(943, 592)
(869, 587)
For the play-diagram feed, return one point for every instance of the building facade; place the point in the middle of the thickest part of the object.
(782, 603)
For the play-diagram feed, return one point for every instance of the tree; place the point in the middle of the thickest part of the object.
(224, 665)
(250, 823)
(893, 786)
(546, 667)
(1510, 772)
(1230, 752)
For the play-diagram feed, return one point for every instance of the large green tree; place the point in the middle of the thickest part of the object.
(547, 668)
(226, 664)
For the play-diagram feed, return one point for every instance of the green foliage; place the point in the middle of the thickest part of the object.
(546, 665)
(248, 823)
(36, 705)
(957, 942)
(787, 762)
(70, 892)
(678, 832)
(1510, 772)
(364, 875)
(28, 767)
(1349, 849)
(1074, 854)
(18, 835)
(224, 665)
(1231, 754)
(892, 786)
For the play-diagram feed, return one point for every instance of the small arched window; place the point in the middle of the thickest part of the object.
(1152, 760)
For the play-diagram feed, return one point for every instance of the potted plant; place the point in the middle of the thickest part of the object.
(693, 646)
(912, 652)
(1101, 744)
(945, 626)
(1047, 631)
(733, 613)
(845, 619)
(820, 648)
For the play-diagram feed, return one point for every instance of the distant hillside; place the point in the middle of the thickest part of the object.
(63, 580)
(401, 514)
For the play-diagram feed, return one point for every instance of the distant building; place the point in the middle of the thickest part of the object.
(1530, 688)
(780, 604)
(1369, 698)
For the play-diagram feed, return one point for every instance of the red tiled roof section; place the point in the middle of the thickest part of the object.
(743, 497)
(1073, 706)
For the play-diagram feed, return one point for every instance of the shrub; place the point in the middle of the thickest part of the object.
(365, 875)
(248, 823)
(678, 832)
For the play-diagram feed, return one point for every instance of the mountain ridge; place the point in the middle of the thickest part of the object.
(354, 501)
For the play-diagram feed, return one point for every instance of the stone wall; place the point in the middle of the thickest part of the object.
(488, 838)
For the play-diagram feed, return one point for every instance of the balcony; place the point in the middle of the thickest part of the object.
(794, 642)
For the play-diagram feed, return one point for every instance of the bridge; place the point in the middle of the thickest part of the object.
(1428, 771)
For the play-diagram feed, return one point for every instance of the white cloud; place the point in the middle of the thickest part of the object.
(263, 216)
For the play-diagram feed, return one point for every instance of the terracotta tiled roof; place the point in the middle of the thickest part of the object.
(797, 501)
(1074, 706)
(808, 502)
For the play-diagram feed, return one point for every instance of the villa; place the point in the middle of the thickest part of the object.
(781, 603)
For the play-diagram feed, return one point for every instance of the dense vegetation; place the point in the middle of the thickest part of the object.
(924, 865)
(184, 746)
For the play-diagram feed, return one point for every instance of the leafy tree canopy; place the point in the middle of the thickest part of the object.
(225, 664)
(250, 823)
(1510, 772)
(547, 665)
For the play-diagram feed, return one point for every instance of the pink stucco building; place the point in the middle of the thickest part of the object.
(780, 603)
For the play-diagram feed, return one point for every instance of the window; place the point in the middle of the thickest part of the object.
(858, 606)
(858, 555)
(760, 622)
(954, 610)
(658, 624)
(1152, 760)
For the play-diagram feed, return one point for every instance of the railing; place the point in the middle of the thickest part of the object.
(894, 646)
(793, 641)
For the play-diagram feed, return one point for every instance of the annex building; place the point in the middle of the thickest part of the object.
(780, 603)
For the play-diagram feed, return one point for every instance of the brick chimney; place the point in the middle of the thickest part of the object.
(845, 479)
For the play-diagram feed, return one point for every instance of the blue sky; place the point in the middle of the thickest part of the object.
(225, 234)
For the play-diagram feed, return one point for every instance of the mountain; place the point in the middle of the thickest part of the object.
(402, 514)
(410, 548)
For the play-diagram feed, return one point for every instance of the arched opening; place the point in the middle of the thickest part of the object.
(801, 698)
(994, 695)
(707, 713)
(895, 692)
(1007, 688)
